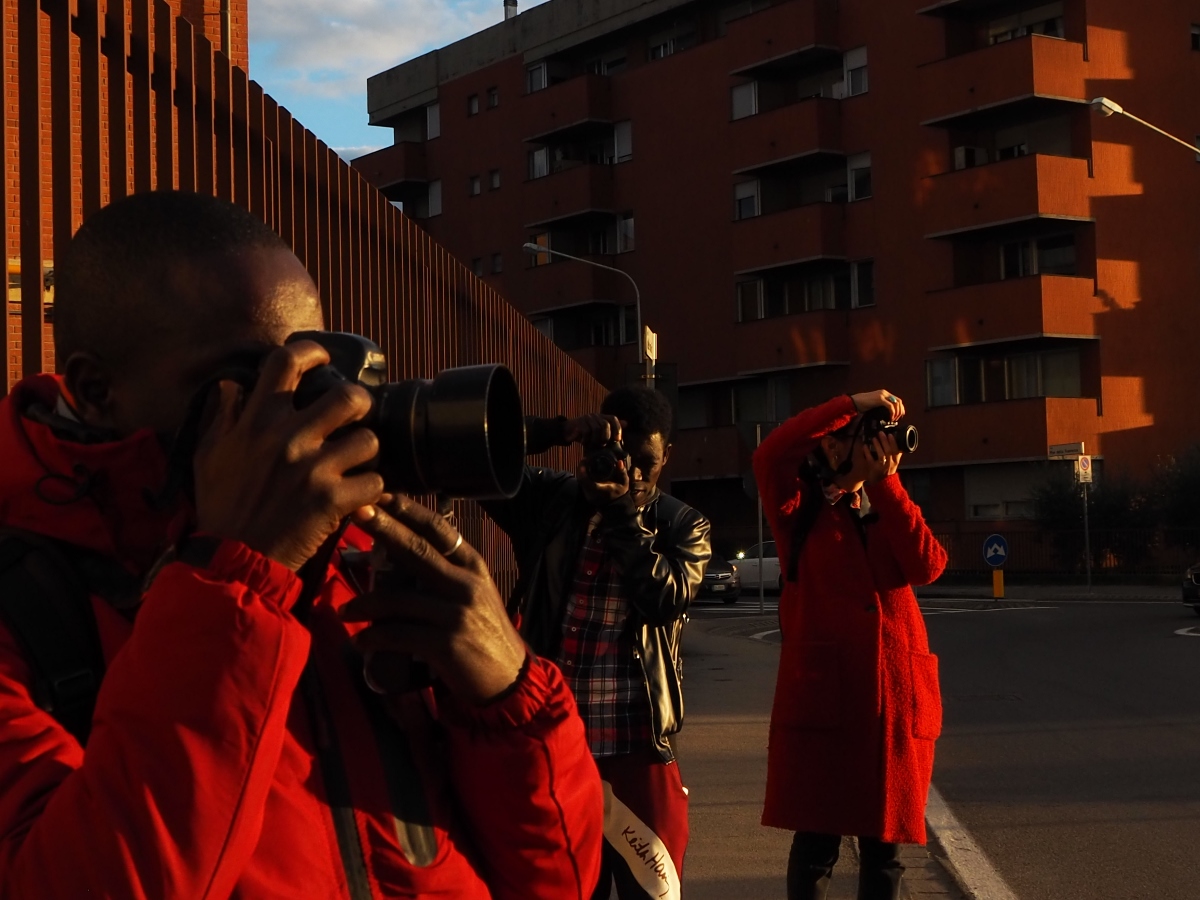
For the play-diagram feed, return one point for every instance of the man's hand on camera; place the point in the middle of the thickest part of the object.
(455, 621)
(601, 493)
(882, 458)
(875, 399)
(593, 430)
(267, 476)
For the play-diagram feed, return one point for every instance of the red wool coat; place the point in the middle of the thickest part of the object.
(201, 777)
(857, 706)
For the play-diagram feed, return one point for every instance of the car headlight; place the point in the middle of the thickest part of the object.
(733, 568)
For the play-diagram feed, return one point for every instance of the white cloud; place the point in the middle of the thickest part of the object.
(322, 49)
(352, 153)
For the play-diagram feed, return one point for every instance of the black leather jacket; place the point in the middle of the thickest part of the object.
(661, 552)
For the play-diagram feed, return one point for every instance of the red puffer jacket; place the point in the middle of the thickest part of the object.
(204, 774)
(857, 707)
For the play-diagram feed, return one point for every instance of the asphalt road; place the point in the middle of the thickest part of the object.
(1071, 747)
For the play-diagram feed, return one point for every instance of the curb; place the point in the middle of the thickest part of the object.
(962, 859)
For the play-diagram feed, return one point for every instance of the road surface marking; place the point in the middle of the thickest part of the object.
(762, 634)
(938, 612)
(968, 863)
(1194, 631)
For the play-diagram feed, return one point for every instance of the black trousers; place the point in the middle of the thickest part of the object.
(813, 856)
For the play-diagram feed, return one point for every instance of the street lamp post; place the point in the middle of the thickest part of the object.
(1105, 107)
(643, 358)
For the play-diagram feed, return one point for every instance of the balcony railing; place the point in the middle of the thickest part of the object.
(1031, 67)
(812, 126)
(390, 167)
(782, 30)
(1010, 429)
(1028, 187)
(568, 192)
(804, 233)
(566, 283)
(1060, 305)
(801, 340)
(587, 98)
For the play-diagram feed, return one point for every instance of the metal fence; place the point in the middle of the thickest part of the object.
(100, 102)
(1116, 553)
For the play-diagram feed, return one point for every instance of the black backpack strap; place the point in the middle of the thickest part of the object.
(46, 605)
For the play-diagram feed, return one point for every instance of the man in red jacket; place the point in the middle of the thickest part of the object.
(857, 707)
(235, 749)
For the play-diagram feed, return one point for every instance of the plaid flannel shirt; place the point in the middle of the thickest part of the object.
(597, 655)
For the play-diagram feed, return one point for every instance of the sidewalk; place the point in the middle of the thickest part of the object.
(1049, 592)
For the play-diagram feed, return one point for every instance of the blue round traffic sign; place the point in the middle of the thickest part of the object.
(995, 550)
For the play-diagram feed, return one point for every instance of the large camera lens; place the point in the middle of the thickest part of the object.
(461, 434)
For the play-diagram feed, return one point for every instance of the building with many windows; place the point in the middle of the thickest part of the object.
(836, 196)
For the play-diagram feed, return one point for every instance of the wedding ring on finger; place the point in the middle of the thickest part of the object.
(458, 543)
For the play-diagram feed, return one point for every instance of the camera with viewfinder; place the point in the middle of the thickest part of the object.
(876, 421)
(605, 463)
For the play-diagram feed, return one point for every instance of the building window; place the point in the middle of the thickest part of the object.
(542, 239)
(494, 179)
(625, 242)
(1196, 37)
(862, 283)
(497, 263)
(493, 96)
(749, 300)
(1046, 20)
(745, 200)
(1021, 375)
(433, 121)
(535, 78)
(858, 174)
(435, 198)
(477, 267)
(854, 65)
(539, 163)
(941, 377)
(473, 105)
(545, 326)
(668, 44)
(1051, 373)
(607, 65)
(1053, 255)
(744, 98)
(622, 141)
(629, 324)
(473, 186)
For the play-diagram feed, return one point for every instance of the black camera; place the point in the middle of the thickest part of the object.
(605, 463)
(461, 434)
(876, 421)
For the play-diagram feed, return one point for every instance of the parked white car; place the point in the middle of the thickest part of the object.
(747, 563)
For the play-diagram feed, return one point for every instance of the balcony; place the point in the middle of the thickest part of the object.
(562, 284)
(786, 32)
(813, 126)
(1016, 190)
(795, 235)
(1008, 430)
(1034, 70)
(556, 110)
(1059, 305)
(792, 342)
(951, 7)
(572, 191)
(392, 167)
(709, 453)
(609, 365)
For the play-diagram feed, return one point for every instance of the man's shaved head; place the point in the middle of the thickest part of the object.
(157, 291)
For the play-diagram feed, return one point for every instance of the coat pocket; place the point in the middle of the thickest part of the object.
(927, 697)
(810, 688)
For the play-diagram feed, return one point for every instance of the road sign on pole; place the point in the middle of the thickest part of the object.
(651, 345)
(1066, 451)
(995, 551)
(1083, 470)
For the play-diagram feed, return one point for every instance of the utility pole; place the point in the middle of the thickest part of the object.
(762, 600)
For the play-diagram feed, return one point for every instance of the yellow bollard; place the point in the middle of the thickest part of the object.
(997, 584)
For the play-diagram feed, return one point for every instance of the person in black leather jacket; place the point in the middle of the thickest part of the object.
(607, 572)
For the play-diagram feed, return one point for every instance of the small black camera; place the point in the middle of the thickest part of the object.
(876, 422)
(461, 434)
(605, 463)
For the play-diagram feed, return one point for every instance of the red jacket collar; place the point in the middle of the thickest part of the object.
(95, 495)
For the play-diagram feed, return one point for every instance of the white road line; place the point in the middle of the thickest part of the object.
(939, 612)
(763, 634)
(1194, 631)
(969, 865)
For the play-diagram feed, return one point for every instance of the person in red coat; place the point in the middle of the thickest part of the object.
(237, 748)
(857, 707)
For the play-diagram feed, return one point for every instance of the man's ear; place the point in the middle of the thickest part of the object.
(667, 454)
(89, 383)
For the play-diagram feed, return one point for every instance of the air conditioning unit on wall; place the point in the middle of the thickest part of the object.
(969, 157)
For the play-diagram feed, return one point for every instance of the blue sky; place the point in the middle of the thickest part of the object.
(314, 56)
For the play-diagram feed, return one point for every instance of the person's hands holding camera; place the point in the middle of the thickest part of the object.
(455, 621)
(267, 475)
(595, 432)
(876, 399)
(880, 458)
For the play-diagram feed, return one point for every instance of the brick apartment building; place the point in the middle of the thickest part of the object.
(205, 16)
(836, 196)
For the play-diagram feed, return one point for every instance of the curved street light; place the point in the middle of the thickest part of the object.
(1106, 108)
(537, 249)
